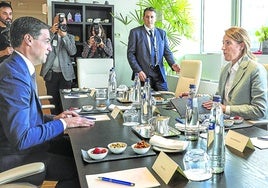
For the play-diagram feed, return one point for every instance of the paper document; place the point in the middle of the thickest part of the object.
(102, 117)
(260, 143)
(142, 177)
(73, 96)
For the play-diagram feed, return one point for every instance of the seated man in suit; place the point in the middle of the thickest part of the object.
(25, 134)
(147, 45)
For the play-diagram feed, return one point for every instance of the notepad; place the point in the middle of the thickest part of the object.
(142, 177)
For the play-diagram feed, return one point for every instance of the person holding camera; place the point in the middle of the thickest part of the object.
(58, 71)
(98, 45)
(5, 21)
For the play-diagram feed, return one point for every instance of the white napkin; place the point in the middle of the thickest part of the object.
(168, 143)
(112, 106)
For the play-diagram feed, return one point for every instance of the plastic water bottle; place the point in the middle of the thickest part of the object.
(137, 90)
(215, 138)
(112, 84)
(146, 105)
(192, 115)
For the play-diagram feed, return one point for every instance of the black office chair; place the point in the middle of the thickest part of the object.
(25, 176)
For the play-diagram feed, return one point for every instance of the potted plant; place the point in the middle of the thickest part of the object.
(173, 16)
(262, 35)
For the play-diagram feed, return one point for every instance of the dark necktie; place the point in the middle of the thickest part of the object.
(152, 48)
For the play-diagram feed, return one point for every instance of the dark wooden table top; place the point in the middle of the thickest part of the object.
(248, 169)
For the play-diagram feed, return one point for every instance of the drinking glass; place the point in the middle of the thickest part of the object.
(101, 99)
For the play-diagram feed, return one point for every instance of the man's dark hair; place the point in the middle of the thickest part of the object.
(5, 4)
(25, 25)
(149, 9)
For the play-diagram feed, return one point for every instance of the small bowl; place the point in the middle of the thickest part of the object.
(75, 89)
(85, 89)
(102, 152)
(101, 107)
(87, 107)
(228, 122)
(237, 119)
(66, 90)
(77, 110)
(141, 147)
(117, 147)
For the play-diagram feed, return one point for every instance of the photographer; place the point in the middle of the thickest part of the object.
(97, 46)
(58, 71)
(5, 22)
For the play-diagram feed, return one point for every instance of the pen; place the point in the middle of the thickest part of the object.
(91, 118)
(116, 181)
(262, 138)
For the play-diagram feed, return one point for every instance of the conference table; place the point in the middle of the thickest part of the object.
(247, 169)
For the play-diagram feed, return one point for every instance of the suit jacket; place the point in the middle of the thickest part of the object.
(248, 94)
(138, 52)
(67, 48)
(22, 125)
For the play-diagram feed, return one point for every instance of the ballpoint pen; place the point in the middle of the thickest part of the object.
(265, 138)
(117, 181)
(91, 118)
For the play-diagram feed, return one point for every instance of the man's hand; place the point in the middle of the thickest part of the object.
(176, 67)
(73, 119)
(142, 76)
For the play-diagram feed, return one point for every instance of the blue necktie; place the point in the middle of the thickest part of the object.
(152, 48)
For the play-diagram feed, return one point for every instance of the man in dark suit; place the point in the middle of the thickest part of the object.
(147, 45)
(25, 134)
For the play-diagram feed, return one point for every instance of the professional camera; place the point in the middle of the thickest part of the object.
(97, 38)
(62, 27)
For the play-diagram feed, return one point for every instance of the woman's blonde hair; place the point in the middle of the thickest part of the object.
(240, 35)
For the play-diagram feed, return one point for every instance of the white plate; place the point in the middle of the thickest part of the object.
(181, 127)
(156, 148)
(131, 123)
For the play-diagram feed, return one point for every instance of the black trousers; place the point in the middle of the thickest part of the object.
(53, 86)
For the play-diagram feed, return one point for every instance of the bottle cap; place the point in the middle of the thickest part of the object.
(217, 98)
(192, 86)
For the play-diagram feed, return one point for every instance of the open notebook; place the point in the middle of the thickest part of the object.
(180, 105)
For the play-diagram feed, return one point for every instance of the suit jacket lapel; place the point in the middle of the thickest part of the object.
(239, 74)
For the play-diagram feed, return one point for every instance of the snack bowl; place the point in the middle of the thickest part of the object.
(66, 90)
(141, 147)
(237, 119)
(87, 107)
(101, 107)
(76, 109)
(97, 153)
(117, 147)
(228, 122)
(75, 89)
(85, 89)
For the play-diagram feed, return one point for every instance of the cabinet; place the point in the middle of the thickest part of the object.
(88, 12)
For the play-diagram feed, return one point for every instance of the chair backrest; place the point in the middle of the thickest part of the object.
(190, 74)
(93, 72)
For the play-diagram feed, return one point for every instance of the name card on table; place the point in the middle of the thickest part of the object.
(238, 141)
(93, 90)
(115, 112)
(165, 167)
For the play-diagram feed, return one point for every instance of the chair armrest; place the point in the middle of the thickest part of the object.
(21, 172)
(43, 97)
(48, 106)
(166, 93)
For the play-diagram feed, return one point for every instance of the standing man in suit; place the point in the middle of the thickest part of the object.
(58, 71)
(26, 135)
(5, 22)
(147, 45)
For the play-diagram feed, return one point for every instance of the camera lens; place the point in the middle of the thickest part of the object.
(63, 27)
(97, 39)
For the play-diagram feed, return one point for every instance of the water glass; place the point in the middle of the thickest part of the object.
(131, 117)
(101, 99)
(196, 165)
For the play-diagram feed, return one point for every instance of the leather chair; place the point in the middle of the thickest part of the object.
(93, 72)
(190, 74)
(17, 177)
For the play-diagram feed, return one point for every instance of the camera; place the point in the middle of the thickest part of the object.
(62, 27)
(96, 30)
